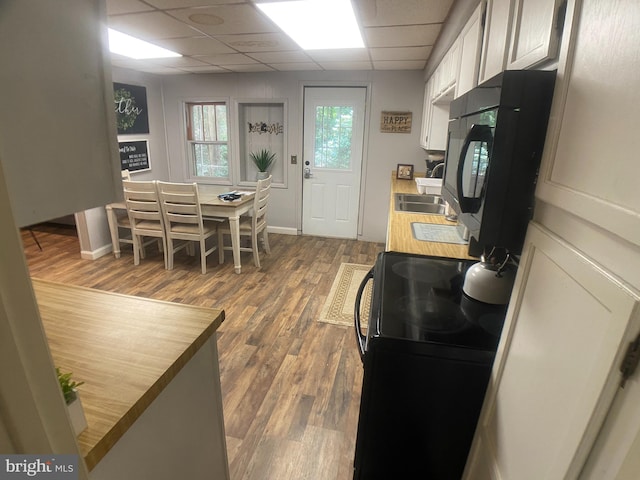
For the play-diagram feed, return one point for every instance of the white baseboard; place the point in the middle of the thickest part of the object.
(282, 230)
(95, 254)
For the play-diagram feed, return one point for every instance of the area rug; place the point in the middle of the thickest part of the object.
(338, 309)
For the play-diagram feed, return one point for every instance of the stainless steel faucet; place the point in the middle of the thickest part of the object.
(433, 172)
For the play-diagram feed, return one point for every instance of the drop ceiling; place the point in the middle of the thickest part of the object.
(217, 36)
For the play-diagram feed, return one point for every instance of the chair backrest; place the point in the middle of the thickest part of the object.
(261, 201)
(142, 202)
(180, 204)
(126, 175)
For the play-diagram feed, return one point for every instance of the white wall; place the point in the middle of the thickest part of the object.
(399, 91)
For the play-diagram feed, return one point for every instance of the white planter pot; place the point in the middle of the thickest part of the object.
(262, 175)
(76, 413)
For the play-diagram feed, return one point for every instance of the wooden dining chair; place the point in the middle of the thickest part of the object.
(183, 220)
(251, 225)
(145, 216)
(119, 221)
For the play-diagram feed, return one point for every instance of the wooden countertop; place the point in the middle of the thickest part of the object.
(399, 235)
(126, 349)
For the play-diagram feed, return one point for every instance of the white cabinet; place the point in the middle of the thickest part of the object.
(497, 33)
(554, 407)
(446, 74)
(566, 329)
(470, 44)
(435, 118)
(535, 32)
(58, 144)
(426, 114)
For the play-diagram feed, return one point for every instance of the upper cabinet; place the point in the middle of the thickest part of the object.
(470, 46)
(58, 142)
(497, 32)
(519, 34)
(535, 32)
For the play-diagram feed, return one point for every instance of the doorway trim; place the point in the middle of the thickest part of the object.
(365, 146)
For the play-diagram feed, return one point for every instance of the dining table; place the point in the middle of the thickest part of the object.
(212, 206)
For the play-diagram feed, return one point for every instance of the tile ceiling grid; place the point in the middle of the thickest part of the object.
(234, 36)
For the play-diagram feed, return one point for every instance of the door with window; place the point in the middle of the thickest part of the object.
(332, 163)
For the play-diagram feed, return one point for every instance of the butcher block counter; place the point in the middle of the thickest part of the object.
(129, 351)
(399, 234)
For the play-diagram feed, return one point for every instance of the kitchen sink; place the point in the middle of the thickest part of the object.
(408, 202)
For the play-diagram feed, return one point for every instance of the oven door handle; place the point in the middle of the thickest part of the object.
(360, 337)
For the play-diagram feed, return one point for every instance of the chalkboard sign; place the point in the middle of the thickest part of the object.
(131, 109)
(134, 156)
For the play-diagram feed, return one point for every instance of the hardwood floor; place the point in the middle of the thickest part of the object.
(291, 385)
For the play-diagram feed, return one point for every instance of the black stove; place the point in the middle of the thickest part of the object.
(427, 355)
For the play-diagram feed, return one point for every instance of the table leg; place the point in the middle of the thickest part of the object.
(234, 227)
(113, 228)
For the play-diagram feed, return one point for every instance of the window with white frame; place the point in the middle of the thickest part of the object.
(208, 139)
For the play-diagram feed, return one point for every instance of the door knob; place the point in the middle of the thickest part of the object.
(307, 173)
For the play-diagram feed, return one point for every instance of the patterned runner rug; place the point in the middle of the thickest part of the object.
(338, 309)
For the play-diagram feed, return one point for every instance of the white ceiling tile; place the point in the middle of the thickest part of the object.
(346, 65)
(233, 19)
(403, 53)
(115, 7)
(195, 46)
(151, 26)
(227, 59)
(177, 62)
(343, 55)
(399, 65)
(295, 67)
(413, 35)
(164, 4)
(258, 67)
(406, 12)
(261, 42)
(281, 57)
(205, 69)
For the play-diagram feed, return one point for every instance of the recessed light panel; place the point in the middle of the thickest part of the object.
(316, 24)
(132, 47)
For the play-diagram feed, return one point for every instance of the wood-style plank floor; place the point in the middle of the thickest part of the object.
(291, 385)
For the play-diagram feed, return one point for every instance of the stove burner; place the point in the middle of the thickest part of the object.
(432, 313)
(420, 270)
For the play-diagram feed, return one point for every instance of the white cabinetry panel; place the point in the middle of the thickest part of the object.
(497, 32)
(590, 167)
(470, 41)
(533, 37)
(567, 329)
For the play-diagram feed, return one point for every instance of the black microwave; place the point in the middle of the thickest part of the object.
(496, 135)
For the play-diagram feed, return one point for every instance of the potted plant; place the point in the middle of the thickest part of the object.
(72, 399)
(263, 160)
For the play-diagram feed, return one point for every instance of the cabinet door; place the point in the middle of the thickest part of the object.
(58, 143)
(470, 41)
(534, 36)
(589, 166)
(497, 31)
(556, 371)
(426, 114)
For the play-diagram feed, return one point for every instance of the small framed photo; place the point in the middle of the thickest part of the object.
(405, 172)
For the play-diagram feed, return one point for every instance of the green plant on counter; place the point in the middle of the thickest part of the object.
(67, 385)
(263, 159)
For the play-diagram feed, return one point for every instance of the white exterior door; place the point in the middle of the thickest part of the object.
(333, 140)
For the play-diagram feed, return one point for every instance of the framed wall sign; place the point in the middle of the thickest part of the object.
(405, 172)
(134, 155)
(132, 116)
(395, 122)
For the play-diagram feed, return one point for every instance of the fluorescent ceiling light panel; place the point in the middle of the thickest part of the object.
(316, 24)
(132, 47)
